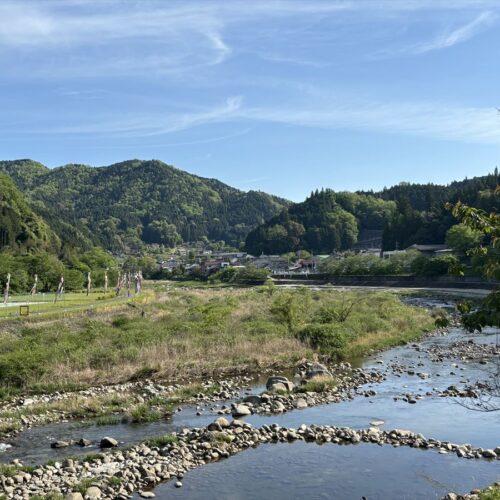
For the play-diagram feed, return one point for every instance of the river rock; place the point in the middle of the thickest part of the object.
(219, 424)
(240, 410)
(146, 494)
(300, 403)
(59, 444)
(253, 399)
(73, 496)
(279, 387)
(93, 493)
(108, 442)
(316, 370)
(278, 407)
(489, 454)
(279, 383)
(402, 433)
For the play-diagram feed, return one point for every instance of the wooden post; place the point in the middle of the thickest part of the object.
(118, 284)
(138, 282)
(6, 291)
(60, 289)
(105, 282)
(34, 287)
(128, 284)
(89, 283)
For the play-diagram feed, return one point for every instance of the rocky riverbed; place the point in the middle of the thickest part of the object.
(412, 387)
(119, 474)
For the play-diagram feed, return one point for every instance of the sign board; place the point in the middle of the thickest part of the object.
(24, 310)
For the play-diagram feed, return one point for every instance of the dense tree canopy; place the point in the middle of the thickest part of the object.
(319, 224)
(21, 229)
(125, 205)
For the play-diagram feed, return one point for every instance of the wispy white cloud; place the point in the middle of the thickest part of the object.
(431, 120)
(111, 39)
(458, 35)
(88, 39)
(208, 140)
(426, 119)
(144, 124)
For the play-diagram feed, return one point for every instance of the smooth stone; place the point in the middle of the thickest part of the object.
(240, 410)
(108, 442)
(59, 444)
(73, 496)
(93, 492)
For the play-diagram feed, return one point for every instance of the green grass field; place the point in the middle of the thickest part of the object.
(43, 303)
(180, 333)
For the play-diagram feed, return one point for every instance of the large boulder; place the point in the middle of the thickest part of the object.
(108, 442)
(279, 383)
(240, 410)
(253, 399)
(316, 369)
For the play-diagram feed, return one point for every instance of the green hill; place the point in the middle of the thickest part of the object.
(125, 205)
(21, 229)
(407, 214)
(324, 222)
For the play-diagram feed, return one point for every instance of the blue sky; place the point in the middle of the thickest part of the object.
(282, 96)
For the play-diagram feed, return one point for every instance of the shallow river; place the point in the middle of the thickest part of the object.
(305, 470)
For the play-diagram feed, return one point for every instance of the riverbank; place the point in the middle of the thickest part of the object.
(192, 334)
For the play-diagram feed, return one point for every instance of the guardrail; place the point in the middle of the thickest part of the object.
(390, 281)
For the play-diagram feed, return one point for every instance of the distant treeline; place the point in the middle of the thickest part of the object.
(408, 213)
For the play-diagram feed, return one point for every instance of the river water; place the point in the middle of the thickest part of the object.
(305, 470)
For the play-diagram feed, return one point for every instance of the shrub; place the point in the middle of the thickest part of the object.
(326, 338)
(435, 266)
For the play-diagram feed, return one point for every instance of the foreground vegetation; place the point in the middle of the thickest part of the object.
(191, 333)
(491, 493)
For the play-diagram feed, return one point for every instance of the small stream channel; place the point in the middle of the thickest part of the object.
(302, 470)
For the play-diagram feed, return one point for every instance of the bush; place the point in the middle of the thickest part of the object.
(331, 314)
(225, 275)
(326, 338)
(434, 266)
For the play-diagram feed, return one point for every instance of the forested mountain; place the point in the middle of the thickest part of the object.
(124, 206)
(127, 204)
(421, 216)
(324, 222)
(407, 213)
(21, 230)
